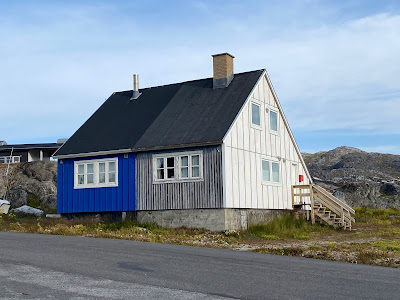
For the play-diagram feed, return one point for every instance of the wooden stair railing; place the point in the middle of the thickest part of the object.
(323, 206)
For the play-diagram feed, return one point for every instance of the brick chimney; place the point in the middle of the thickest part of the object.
(223, 70)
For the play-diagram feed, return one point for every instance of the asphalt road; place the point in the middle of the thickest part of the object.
(61, 267)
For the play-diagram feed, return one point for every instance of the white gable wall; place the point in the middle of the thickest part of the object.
(245, 146)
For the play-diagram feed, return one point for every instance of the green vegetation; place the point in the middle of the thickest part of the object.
(287, 227)
(378, 216)
(33, 201)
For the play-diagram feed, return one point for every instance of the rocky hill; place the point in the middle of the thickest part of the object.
(357, 177)
(33, 184)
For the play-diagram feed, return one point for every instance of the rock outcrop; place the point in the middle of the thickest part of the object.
(33, 184)
(357, 177)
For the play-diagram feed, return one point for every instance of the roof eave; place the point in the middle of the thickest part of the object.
(121, 151)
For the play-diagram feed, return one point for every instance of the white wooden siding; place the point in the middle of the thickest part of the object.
(245, 146)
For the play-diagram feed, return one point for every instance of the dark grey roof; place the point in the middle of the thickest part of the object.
(175, 115)
(50, 146)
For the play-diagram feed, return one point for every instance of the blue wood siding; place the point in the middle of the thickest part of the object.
(120, 198)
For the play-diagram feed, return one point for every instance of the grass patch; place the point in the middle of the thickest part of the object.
(393, 246)
(377, 216)
(287, 227)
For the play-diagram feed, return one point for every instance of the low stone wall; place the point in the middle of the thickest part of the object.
(211, 219)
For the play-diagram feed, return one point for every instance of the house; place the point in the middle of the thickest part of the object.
(27, 152)
(215, 153)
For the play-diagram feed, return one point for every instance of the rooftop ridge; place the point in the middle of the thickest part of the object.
(194, 80)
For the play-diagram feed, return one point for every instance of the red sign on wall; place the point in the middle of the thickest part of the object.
(301, 178)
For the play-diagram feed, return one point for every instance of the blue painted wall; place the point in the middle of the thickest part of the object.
(120, 198)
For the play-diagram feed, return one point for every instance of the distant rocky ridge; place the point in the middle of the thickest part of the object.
(357, 177)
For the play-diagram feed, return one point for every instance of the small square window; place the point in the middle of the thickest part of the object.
(266, 172)
(90, 173)
(273, 120)
(171, 167)
(102, 172)
(255, 114)
(111, 171)
(275, 172)
(184, 166)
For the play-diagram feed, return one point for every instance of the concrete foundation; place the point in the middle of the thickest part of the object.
(211, 219)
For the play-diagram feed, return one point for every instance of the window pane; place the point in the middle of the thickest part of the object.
(160, 163)
(81, 169)
(171, 173)
(265, 171)
(81, 179)
(273, 120)
(102, 177)
(185, 172)
(111, 167)
(102, 167)
(170, 162)
(184, 161)
(89, 168)
(90, 178)
(275, 172)
(195, 171)
(195, 160)
(160, 174)
(111, 177)
(255, 114)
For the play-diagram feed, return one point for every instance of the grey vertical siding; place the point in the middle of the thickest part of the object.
(180, 195)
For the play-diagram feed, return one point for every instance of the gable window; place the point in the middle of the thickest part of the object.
(255, 114)
(270, 171)
(96, 173)
(273, 121)
(181, 166)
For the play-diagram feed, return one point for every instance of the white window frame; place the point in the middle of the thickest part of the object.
(259, 104)
(177, 167)
(95, 163)
(271, 161)
(268, 119)
(12, 159)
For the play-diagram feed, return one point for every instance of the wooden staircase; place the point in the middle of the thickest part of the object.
(325, 207)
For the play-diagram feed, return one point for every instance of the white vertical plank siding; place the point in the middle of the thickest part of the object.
(246, 146)
(248, 173)
(228, 173)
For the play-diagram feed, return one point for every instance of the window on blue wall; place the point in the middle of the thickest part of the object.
(96, 173)
(111, 171)
(102, 172)
(178, 166)
(90, 173)
(81, 174)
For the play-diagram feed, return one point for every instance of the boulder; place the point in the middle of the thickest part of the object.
(27, 210)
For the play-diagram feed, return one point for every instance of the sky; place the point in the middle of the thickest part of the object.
(335, 65)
